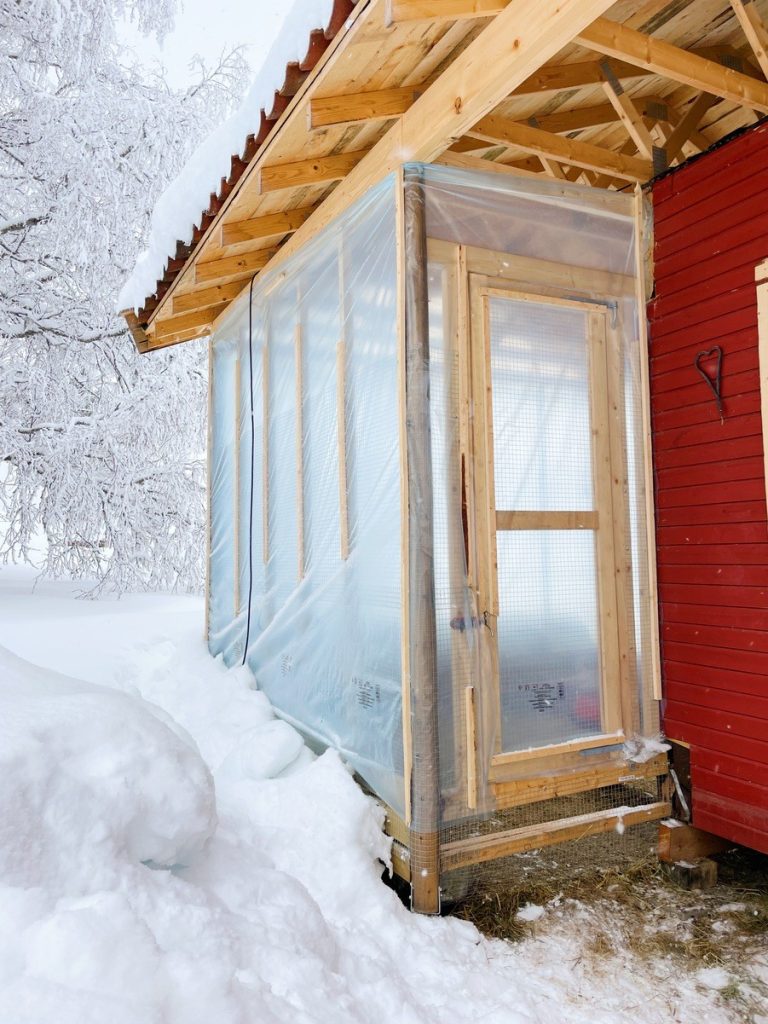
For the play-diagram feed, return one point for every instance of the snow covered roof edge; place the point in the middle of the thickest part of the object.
(188, 206)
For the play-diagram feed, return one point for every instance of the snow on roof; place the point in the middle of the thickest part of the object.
(208, 176)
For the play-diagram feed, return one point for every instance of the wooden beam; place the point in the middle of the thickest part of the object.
(661, 58)
(627, 112)
(564, 121)
(138, 334)
(561, 77)
(474, 163)
(684, 842)
(754, 29)
(440, 10)
(506, 52)
(245, 264)
(319, 170)
(187, 301)
(283, 223)
(686, 127)
(353, 108)
(186, 321)
(477, 849)
(195, 334)
(551, 168)
(569, 151)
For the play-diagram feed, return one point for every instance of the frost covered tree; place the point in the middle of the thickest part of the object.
(101, 451)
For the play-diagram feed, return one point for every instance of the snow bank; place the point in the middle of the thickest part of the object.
(88, 777)
(178, 209)
(281, 916)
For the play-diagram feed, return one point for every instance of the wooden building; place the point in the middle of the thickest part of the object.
(711, 230)
(432, 515)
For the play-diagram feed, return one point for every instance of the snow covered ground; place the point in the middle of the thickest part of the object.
(170, 852)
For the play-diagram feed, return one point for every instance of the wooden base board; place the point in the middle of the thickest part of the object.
(679, 842)
(478, 849)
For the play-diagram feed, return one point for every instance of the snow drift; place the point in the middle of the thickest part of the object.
(89, 775)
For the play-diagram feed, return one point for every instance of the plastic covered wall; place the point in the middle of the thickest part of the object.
(305, 509)
(533, 310)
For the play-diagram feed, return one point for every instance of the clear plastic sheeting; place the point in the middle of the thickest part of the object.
(307, 503)
(444, 388)
(541, 561)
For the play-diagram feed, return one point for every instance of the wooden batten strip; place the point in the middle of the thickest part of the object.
(236, 232)
(569, 781)
(570, 151)
(669, 61)
(321, 170)
(174, 325)
(645, 396)
(236, 489)
(616, 739)
(470, 719)
(341, 404)
(547, 520)
(243, 265)
(398, 11)
(188, 301)
(265, 450)
(354, 108)
(341, 428)
(299, 357)
(405, 614)
(479, 849)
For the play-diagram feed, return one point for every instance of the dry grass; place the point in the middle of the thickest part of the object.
(647, 911)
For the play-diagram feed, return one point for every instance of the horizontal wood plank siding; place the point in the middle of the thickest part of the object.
(711, 230)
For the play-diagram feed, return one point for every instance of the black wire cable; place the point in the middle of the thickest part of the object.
(253, 445)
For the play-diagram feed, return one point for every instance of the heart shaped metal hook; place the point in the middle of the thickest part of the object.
(713, 382)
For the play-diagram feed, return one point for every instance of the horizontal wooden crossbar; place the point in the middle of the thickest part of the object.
(479, 849)
(274, 224)
(547, 520)
(669, 61)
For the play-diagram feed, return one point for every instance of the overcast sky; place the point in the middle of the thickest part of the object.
(207, 29)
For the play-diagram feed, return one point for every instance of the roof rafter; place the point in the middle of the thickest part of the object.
(506, 52)
(671, 62)
(186, 302)
(754, 29)
(358, 107)
(243, 265)
(321, 170)
(555, 147)
(440, 10)
(270, 226)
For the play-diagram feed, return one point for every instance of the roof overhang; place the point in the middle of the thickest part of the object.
(595, 91)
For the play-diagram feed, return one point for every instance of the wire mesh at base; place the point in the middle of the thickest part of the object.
(608, 829)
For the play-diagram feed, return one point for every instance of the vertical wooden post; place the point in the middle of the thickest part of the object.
(650, 511)
(299, 445)
(265, 447)
(341, 405)
(425, 776)
(236, 495)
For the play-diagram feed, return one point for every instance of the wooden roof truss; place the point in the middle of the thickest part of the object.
(595, 91)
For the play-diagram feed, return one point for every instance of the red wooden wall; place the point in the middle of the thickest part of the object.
(711, 227)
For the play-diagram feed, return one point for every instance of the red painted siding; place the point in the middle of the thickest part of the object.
(711, 229)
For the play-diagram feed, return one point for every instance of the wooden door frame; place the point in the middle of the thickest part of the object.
(548, 280)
